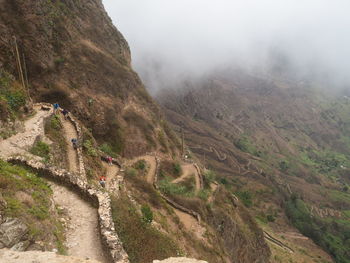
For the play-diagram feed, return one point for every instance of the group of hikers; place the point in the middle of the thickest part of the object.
(65, 113)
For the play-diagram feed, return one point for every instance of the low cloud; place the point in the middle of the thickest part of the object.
(172, 40)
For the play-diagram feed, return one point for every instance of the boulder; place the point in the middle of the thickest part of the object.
(12, 231)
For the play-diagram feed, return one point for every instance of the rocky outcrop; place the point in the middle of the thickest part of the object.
(9, 256)
(179, 260)
(326, 212)
(13, 234)
(94, 195)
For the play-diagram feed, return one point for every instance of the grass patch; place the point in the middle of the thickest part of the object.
(41, 149)
(28, 198)
(245, 145)
(142, 242)
(204, 194)
(246, 197)
(186, 188)
(53, 130)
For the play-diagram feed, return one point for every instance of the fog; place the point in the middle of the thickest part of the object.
(173, 40)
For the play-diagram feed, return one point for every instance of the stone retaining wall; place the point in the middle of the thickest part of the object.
(99, 198)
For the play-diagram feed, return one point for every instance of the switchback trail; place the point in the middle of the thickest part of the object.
(151, 161)
(82, 239)
(187, 171)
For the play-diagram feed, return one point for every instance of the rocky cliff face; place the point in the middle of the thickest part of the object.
(74, 55)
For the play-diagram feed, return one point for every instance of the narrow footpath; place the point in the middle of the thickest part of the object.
(83, 238)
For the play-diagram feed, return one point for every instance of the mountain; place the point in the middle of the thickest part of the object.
(155, 204)
(281, 145)
(76, 57)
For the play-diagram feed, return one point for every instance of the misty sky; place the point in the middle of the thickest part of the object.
(172, 38)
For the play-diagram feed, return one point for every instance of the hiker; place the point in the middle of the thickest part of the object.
(103, 181)
(110, 160)
(56, 106)
(65, 114)
(75, 143)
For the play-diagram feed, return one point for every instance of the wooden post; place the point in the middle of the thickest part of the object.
(19, 63)
(25, 72)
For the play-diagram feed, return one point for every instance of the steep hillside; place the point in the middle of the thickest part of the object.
(73, 55)
(282, 147)
(155, 203)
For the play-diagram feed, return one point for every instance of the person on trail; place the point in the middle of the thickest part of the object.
(65, 114)
(75, 143)
(110, 160)
(56, 106)
(103, 181)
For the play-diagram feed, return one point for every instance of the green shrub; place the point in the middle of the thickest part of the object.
(131, 172)
(283, 166)
(246, 197)
(106, 148)
(271, 218)
(55, 122)
(140, 165)
(204, 194)
(245, 145)
(332, 235)
(177, 169)
(89, 148)
(11, 92)
(147, 214)
(41, 149)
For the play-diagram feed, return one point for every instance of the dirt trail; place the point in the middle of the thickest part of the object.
(70, 133)
(22, 141)
(191, 224)
(82, 238)
(10, 256)
(111, 174)
(277, 242)
(187, 171)
(213, 187)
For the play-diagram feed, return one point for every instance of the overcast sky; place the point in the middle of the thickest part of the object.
(169, 38)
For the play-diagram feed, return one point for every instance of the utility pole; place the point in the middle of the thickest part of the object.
(182, 141)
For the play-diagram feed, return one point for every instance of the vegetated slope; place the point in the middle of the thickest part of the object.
(281, 146)
(76, 57)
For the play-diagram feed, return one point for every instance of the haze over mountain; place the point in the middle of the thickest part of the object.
(172, 39)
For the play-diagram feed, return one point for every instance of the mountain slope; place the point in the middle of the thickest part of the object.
(280, 145)
(76, 57)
